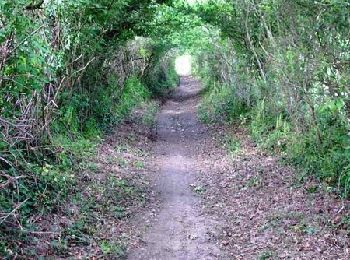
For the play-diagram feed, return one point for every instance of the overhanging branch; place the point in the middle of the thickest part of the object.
(35, 6)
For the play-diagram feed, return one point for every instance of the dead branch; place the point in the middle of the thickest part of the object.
(6, 162)
(10, 180)
(7, 215)
(84, 68)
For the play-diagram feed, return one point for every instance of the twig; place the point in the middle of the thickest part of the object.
(13, 211)
(40, 232)
(6, 122)
(87, 64)
(35, 6)
(24, 40)
(6, 161)
(10, 179)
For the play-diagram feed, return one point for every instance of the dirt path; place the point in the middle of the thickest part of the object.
(179, 230)
(242, 204)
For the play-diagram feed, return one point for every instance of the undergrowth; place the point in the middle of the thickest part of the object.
(321, 150)
(161, 80)
(43, 181)
(219, 104)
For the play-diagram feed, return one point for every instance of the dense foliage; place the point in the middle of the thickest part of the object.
(283, 67)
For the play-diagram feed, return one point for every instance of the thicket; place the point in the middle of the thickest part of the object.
(282, 67)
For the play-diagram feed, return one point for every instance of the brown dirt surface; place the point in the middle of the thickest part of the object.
(266, 212)
(179, 229)
(245, 204)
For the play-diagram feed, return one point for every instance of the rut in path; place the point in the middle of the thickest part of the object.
(179, 231)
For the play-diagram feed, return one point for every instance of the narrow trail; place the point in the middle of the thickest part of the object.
(248, 206)
(179, 230)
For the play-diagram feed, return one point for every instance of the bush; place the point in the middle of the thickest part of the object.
(295, 85)
(219, 104)
(322, 149)
(162, 77)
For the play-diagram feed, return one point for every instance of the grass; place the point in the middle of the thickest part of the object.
(103, 201)
(301, 223)
(267, 254)
(255, 181)
(122, 162)
(139, 164)
(232, 144)
(149, 114)
(198, 189)
(112, 249)
(219, 105)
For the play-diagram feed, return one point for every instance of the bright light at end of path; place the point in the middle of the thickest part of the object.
(194, 2)
(183, 65)
(191, 2)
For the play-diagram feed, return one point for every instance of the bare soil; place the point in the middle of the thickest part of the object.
(220, 205)
(179, 230)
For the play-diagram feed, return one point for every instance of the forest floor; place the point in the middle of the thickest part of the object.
(189, 191)
(221, 197)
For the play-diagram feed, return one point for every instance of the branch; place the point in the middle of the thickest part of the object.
(6, 162)
(10, 180)
(2, 219)
(24, 40)
(84, 68)
(35, 6)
